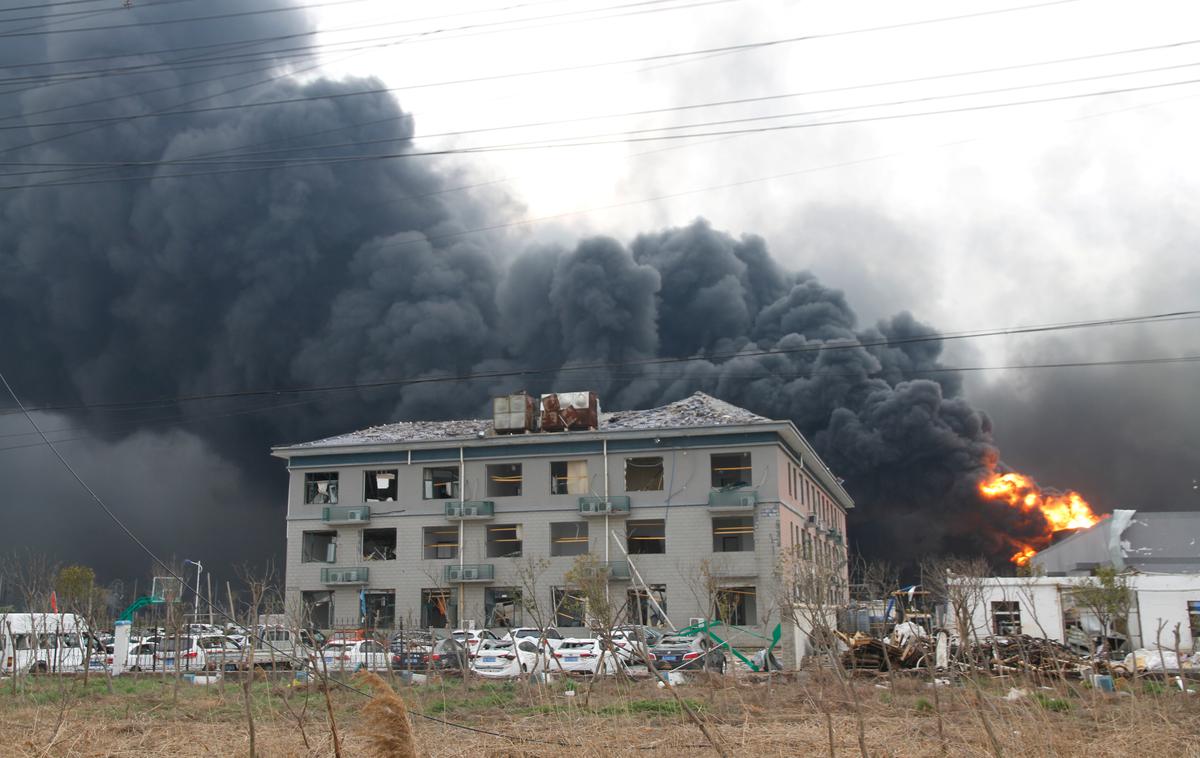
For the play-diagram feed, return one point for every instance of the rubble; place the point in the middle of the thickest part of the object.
(994, 655)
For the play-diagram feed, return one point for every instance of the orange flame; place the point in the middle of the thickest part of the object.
(1061, 511)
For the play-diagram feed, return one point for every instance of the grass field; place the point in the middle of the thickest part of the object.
(155, 716)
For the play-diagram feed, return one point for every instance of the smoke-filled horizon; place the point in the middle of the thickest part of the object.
(360, 271)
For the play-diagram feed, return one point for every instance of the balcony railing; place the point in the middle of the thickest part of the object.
(470, 510)
(732, 500)
(356, 575)
(613, 505)
(471, 572)
(346, 514)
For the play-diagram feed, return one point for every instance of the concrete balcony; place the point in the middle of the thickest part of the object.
(613, 505)
(356, 575)
(732, 501)
(470, 510)
(346, 514)
(471, 572)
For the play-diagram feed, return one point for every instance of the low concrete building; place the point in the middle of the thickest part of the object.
(1166, 542)
(435, 524)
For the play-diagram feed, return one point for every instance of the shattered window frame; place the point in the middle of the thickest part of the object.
(503, 480)
(380, 551)
(570, 607)
(440, 483)
(733, 534)
(504, 540)
(438, 606)
(380, 606)
(645, 474)
(1193, 608)
(315, 493)
(731, 470)
(569, 538)
(1006, 618)
(736, 606)
(314, 546)
(372, 493)
(439, 543)
(508, 598)
(646, 536)
(567, 478)
(641, 611)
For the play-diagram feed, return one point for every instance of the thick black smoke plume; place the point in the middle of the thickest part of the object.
(360, 271)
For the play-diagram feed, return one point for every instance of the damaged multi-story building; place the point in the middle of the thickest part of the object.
(432, 524)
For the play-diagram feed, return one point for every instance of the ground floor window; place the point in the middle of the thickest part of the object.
(570, 608)
(318, 608)
(379, 609)
(1194, 619)
(1006, 617)
(438, 607)
(733, 534)
(641, 608)
(502, 607)
(736, 606)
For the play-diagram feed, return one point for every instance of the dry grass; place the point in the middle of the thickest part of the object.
(782, 718)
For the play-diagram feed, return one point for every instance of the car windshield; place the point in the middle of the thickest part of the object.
(578, 645)
(518, 633)
(676, 641)
(169, 645)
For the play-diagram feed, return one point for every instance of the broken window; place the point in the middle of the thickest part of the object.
(440, 542)
(642, 611)
(380, 607)
(570, 608)
(569, 538)
(736, 606)
(568, 478)
(438, 606)
(321, 487)
(318, 608)
(504, 541)
(1194, 619)
(730, 470)
(1006, 617)
(318, 547)
(502, 607)
(380, 486)
(503, 479)
(379, 544)
(441, 483)
(643, 474)
(733, 534)
(646, 537)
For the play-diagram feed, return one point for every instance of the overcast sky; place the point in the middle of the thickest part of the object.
(1078, 209)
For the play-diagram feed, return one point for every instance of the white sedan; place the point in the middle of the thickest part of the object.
(351, 655)
(583, 656)
(502, 659)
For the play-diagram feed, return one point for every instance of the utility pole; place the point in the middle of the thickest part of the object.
(196, 602)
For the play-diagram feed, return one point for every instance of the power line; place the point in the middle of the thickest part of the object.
(239, 158)
(69, 15)
(609, 138)
(848, 344)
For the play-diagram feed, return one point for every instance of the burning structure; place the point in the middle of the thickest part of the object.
(429, 523)
(1061, 512)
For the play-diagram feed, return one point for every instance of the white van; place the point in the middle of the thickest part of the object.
(42, 642)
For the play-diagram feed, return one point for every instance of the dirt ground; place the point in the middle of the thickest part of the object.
(155, 716)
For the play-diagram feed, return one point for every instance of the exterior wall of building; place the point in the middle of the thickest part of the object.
(787, 495)
(1159, 599)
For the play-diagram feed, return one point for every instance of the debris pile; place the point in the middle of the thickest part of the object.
(866, 652)
(1005, 655)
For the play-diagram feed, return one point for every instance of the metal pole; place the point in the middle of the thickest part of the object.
(462, 499)
(607, 508)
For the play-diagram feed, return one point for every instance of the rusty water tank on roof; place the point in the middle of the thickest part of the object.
(563, 411)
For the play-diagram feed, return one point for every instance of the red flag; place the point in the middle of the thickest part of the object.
(53, 602)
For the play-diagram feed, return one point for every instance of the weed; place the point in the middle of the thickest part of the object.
(1056, 704)
(923, 706)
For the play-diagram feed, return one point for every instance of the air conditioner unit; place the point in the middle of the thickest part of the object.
(470, 510)
(469, 573)
(812, 518)
(696, 620)
(748, 501)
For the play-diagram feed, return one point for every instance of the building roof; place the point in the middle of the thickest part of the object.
(697, 410)
(1148, 541)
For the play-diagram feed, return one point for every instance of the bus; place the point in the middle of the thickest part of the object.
(41, 643)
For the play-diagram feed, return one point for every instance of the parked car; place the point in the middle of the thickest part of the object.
(625, 640)
(411, 650)
(140, 657)
(502, 659)
(552, 636)
(184, 652)
(472, 637)
(449, 655)
(578, 655)
(352, 655)
(676, 652)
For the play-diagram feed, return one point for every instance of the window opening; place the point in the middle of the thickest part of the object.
(321, 487)
(438, 606)
(569, 538)
(440, 542)
(380, 608)
(641, 610)
(380, 486)
(731, 470)
(1006, 617)
(570, 608)
(646, 537)
(441, 483)
(502, 607)
(318, 547)
(503, 479)
(504, 541)
(643, 474)
(736, 606)
(733, 534)
(568, 478)
(379, 544)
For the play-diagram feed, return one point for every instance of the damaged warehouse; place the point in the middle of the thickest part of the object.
(437, 524)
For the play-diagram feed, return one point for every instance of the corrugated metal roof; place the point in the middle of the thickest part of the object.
(697, 410)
